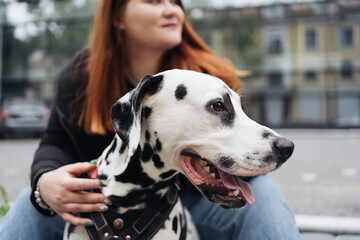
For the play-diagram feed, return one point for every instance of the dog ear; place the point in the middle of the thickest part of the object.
(126, 112)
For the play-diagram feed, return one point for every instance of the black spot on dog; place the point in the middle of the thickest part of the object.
(180, 92)
(158, 145)
(111, 150)
(228, 118)
(102, 177)
(226, 162)
(134, 172)
(147, 112)
(147, 136)
(226, 113)
(175, 224)
(167, 174)
(268, 159)
(157, 161)
(147, 153)
(266, 135)
(124, 113)
(149, 85)
(122, 118)
(143, 195)
(122, 148)
(153, 84)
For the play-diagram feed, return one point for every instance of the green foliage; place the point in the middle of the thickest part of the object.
(238, 32)
(4, 207)
(244, 37)
(47, 43)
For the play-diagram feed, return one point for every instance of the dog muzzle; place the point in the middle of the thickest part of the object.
(229, 191)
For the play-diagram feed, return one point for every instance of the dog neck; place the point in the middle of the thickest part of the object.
(127, 179)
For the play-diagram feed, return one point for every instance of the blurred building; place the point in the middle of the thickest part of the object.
(303, 57)
(308, 71)
(36, 47)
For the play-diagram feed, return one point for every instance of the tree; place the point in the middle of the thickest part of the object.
(237, 31)
(58, 30)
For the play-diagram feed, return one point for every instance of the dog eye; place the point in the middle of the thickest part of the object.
(218, 106)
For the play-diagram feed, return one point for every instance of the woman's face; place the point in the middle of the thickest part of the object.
(153, 24)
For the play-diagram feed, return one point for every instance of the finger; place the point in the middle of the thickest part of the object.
(81, 207)
(86, 197)
(68, 217)
(78, 184)
(78, 168)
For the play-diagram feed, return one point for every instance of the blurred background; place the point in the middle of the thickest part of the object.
(302, 65)
(303, 57)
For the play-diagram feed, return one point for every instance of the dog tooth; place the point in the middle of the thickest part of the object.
(207, 169)
(202, 163)
(236, 192)
(212, 174)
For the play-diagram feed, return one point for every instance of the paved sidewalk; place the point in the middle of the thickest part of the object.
(328, 228)
(321, 181)
(326, 236)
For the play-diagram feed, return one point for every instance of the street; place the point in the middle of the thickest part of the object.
(321, 178)
(323, 175)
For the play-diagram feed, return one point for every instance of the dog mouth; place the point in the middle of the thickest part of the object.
(227, 190)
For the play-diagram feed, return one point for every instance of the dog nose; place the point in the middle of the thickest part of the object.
(284, 148)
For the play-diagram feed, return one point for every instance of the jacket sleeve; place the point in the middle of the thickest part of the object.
(58, 145)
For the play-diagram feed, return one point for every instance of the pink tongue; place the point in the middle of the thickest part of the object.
(234, 182)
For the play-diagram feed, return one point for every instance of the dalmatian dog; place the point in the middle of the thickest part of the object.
(181, 121)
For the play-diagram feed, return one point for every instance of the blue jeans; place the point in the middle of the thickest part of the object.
(268, 218)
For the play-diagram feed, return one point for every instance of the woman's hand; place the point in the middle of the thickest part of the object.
(64, 192)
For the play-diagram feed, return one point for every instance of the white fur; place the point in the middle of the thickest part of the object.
(181, 124)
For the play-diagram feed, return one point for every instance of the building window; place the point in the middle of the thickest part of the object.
(310, 75)
(273, 12)
(274, 44)
(274, 110)
(310, 39)
(275, 80)
(347, 70)
(348, 110)
(310, 108)
(346, 36)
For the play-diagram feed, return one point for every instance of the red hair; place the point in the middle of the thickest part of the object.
(106, 62)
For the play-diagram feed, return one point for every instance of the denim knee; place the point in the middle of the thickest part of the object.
(23, 221)
(268, 218)
(270, 214)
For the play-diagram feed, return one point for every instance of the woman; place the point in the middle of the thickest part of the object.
(130, 39)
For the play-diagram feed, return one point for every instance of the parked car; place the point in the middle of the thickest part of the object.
(23, 116)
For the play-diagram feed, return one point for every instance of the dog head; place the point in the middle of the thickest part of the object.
(194, 124)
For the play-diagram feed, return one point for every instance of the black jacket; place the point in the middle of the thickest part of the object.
(63, 141)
